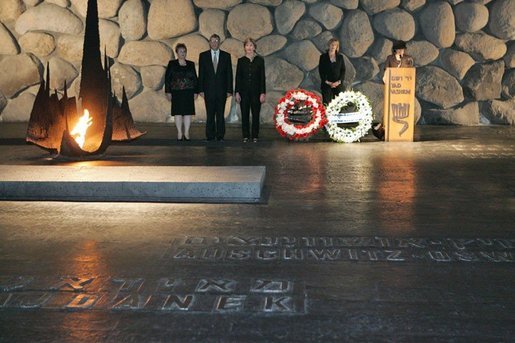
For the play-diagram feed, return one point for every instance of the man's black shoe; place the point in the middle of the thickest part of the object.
(379, 132)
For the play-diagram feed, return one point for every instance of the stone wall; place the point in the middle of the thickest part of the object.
(464, 50)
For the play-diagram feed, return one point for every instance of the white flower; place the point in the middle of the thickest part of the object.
(349, 135)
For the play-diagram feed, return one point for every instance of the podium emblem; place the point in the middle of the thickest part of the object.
(400, 112)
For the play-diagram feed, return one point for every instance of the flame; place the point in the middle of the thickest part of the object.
(79, 131)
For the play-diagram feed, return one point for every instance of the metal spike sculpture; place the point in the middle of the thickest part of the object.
(123, 124)
(51, 118)
(46, 120)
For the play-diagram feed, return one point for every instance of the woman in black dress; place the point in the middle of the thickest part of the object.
(250, 88)
(332, 71)
(181, 85)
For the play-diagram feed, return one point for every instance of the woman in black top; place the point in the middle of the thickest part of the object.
(332, 71)
(250, 88)
(181, 85)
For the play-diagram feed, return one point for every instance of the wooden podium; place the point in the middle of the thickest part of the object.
(399, 105)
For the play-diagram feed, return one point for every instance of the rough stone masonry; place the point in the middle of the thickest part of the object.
(464, 50)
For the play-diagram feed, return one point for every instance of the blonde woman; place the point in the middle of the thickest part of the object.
(331, 68)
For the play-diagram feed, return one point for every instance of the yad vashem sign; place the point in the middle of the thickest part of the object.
(399, 104)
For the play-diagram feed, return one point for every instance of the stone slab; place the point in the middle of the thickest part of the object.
(132, 183)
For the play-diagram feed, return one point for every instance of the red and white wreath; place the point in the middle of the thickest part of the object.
(299, 114)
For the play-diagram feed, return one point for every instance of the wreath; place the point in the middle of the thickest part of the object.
(299, 114)
(347, 109)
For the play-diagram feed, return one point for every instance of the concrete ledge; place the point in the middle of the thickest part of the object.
(132, 183)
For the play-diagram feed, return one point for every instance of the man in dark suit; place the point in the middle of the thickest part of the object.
(215, 85)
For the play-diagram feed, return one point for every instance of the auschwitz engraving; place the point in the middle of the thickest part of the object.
(327, 249)
(484, 151)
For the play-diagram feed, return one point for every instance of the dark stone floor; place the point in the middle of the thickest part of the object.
(368, 241)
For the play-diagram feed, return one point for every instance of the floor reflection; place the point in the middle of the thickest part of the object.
(86, 262)
(350, 179)
(396, 192)
(303, 169)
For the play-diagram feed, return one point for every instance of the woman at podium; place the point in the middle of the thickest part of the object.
(331, 68)
(398, 59)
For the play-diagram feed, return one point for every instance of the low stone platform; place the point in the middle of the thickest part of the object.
(132, 183)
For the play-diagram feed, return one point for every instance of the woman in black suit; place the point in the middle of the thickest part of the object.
(332, 71)
(250, 88)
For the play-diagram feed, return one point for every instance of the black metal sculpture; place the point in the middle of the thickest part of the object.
(52, 121)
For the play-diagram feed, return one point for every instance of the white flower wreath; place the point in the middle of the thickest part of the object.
(362, 115)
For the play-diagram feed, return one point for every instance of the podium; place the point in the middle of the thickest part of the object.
(399, 105)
